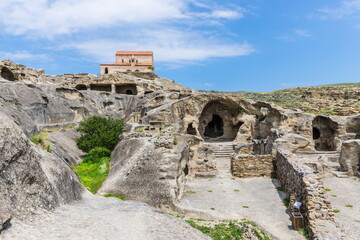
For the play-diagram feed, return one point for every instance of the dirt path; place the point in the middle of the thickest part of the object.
(226, 197)
(345, 196)
(100, 218)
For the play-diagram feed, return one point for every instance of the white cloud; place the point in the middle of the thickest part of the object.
(22, 55)
(169, 45)
(294, 35)
(302, 33)
(346, 8)
(173, 29)
(50, 18)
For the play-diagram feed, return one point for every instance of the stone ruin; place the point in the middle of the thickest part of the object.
(171, 131)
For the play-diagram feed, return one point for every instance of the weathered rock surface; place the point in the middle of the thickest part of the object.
(350, 157)
(63, 145)
(30, 178)
(97, 217)
(142, 172)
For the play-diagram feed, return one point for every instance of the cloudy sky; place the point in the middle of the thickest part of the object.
(229, 45)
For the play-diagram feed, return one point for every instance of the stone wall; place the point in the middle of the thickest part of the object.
(245, 165)
(308, 188)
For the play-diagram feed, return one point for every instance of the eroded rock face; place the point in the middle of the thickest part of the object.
(63, 145)
(144, 172)
(31, 179)
(350, 157)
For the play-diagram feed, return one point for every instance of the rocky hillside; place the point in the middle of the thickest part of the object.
(334, 99)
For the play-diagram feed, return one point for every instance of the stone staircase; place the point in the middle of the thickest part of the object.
(335, 166)
(223, 152)
(222, 149)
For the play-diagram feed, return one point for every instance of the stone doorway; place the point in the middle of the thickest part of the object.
(215, 128)
(324, 133)
(218, 121)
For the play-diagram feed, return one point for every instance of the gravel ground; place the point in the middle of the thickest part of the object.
(226, 197)
(96, 218)
(346, 191)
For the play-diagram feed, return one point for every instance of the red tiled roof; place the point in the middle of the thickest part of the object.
(125, 64)
(115, 64)
(134, 53)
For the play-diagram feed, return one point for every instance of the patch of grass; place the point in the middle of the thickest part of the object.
(245, 206)
(190, 192)
(273, 175)
(41, 140)
(236, 190)
(175, 140)
(304, 232)
(232, 178)
(333, 195)
(139, 130)
(336, 210)
(286, 201)
(115, 196)
(327, 189)
(281, 189)
(93, 173)
(349, 206)
(229, 230)
(209, 190)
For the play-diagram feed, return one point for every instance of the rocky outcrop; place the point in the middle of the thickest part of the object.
(63, 145)
(30, 178)
(350, 157)
(144, 171)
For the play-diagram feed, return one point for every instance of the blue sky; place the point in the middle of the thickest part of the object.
(229, 45)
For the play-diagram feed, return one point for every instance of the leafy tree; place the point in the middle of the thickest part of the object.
(99, 132)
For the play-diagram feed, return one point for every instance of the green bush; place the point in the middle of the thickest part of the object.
(96, 154)
(99, 132)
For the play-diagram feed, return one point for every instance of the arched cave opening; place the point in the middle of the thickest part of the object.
(190, 129)
(353, 127)
(218, 121)
(215, 128)
(324, 133)
(7, 74)
(101, 87)
(81, 87)
(186, 170)
(316, 133)
(129, 89)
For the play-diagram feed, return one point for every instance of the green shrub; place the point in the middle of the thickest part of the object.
(96, 154)
(99, 132)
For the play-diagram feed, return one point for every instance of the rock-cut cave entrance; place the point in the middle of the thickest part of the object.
(218, 121)
(324, 132)
(7, 74)
(215, 128)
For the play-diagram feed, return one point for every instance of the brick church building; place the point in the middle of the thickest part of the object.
(130, 61)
